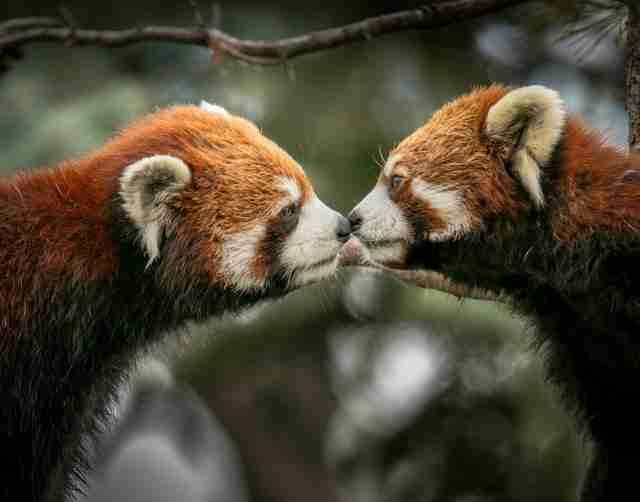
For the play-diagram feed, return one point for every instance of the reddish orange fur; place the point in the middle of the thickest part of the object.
(598, 196)
(55, 224)
(95, 267)
(452, 149)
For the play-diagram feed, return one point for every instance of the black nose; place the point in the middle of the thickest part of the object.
(344, 229)
(356, 220)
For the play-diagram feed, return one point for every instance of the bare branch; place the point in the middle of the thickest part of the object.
(353, 254)
(29, 22)
(20, 32)
(428, 279)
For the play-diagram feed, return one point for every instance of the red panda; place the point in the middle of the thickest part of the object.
(502, 190)
(188, 213)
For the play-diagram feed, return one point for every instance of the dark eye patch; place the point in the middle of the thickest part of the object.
(288, 217)
(278, 228)
(395, 182)
(631, 175)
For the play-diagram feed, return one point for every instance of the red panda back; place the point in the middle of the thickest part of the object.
(601, 184)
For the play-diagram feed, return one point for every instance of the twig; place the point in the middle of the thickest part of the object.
(429, 279)
(28, 22)
(21, 32)
(197, 14)
(353, 254)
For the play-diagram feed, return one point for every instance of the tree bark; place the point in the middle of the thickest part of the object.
(632, 74)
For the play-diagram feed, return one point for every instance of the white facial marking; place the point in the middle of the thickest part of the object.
(313, 241)
(315, 274)
(449, 205)
(308, 254)
(383, 221)
(215, 109)
(238, 253)
(291, 188)
(292, 194)
(390, 164)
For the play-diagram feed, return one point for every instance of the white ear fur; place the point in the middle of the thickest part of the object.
(215, 109)
(145, 187)
(537, 116)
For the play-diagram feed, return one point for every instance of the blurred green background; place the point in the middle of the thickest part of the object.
(358, 389)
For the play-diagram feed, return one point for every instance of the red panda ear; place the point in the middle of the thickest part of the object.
(214, 109)
(146, 186)
(531, 120)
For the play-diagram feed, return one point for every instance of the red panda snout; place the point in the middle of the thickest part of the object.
(403, 209)
(300, 242)
(310, 252)
(382, 225)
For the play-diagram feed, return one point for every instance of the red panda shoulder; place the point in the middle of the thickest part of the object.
(599, 182)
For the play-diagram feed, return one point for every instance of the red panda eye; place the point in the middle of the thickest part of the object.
(289, 216)
(289, 211)
(396, 181)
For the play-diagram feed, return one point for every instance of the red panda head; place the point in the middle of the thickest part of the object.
(206, 191)
(478, 159)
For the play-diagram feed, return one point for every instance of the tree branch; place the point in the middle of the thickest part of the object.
(632, 76)
(17, 33)
(28, 22)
